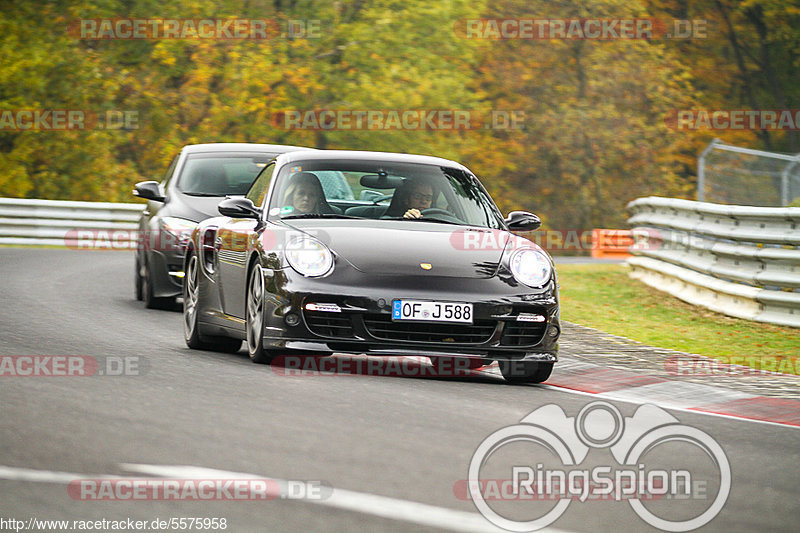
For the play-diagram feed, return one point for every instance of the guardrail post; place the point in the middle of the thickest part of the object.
(701, 170)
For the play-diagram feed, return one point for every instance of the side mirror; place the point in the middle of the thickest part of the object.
(149, 190)
(522, 221)
(239, 207)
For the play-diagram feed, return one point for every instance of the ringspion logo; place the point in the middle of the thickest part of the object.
(517, 472)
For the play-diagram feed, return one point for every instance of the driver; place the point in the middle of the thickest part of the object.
(419, 196)
(410, 199)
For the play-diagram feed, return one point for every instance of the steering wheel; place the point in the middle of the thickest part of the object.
(436, 211)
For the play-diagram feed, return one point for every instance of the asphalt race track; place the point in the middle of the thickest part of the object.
(393, 449)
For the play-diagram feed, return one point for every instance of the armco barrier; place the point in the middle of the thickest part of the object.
(26, 222)
(738, 260)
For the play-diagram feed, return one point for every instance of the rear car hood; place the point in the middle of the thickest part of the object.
(195, 207)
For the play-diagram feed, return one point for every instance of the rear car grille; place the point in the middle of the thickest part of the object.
(330, 324)
(523, 333)
(382, 327)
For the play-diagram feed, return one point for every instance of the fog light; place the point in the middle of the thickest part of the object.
(530, 317)
(292, 319)
(553, 332)
(327, 308)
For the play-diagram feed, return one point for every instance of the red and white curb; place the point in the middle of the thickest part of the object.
(625, 385)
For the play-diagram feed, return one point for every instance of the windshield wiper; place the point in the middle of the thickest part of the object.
(208, 194)
(428, 219)
(318, 215)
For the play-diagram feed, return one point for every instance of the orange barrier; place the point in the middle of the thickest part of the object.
(611, 243)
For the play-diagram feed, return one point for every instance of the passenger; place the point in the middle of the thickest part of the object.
(305, 195)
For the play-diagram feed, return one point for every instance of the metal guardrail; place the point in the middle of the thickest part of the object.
(738, 260)
(28, 222)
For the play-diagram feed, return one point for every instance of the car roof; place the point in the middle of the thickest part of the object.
(368, 156)
(240, 147)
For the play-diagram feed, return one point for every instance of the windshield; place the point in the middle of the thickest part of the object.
(382, 190)
(221, 174)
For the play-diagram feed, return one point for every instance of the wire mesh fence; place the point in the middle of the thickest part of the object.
(734, 175)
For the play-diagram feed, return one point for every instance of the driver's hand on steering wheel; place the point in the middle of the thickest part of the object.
(412, 213)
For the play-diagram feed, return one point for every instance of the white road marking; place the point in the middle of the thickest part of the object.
(664, 394)
(359, 502)
(13, 473)
(641, 401)
(678, 394)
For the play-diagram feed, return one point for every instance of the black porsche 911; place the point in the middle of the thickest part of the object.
(423, 264)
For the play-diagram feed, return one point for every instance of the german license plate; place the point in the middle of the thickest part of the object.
(427, 311)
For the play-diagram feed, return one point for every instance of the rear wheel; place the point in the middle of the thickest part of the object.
(191, 330)
(525, 371)
(254, 317)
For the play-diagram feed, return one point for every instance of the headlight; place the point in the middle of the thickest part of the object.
(179, 227)
(530, 267)
(309, 257)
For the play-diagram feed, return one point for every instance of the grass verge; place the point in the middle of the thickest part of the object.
(602, 296)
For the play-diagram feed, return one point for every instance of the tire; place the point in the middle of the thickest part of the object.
(525, 371)
(191, 330)
(254, 317)
(151, 301)
(138, 282)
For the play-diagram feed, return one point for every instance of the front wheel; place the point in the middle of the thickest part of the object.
(254, 317)
(138, 282)
(150, 300)
(191, 329)
(525, 371)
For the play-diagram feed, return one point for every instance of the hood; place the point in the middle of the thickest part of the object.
(194, 208)
(400, 247)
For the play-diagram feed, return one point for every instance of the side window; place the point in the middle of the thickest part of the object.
(258, 191)
(170, 170)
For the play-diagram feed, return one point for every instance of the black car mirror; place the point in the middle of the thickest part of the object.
(380, 181)
(522, 221)
(239, 207)
(149, 190)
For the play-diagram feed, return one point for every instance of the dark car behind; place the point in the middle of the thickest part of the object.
(198, 178)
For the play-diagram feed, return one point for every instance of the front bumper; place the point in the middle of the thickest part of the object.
(166, 269)
(363, 323)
